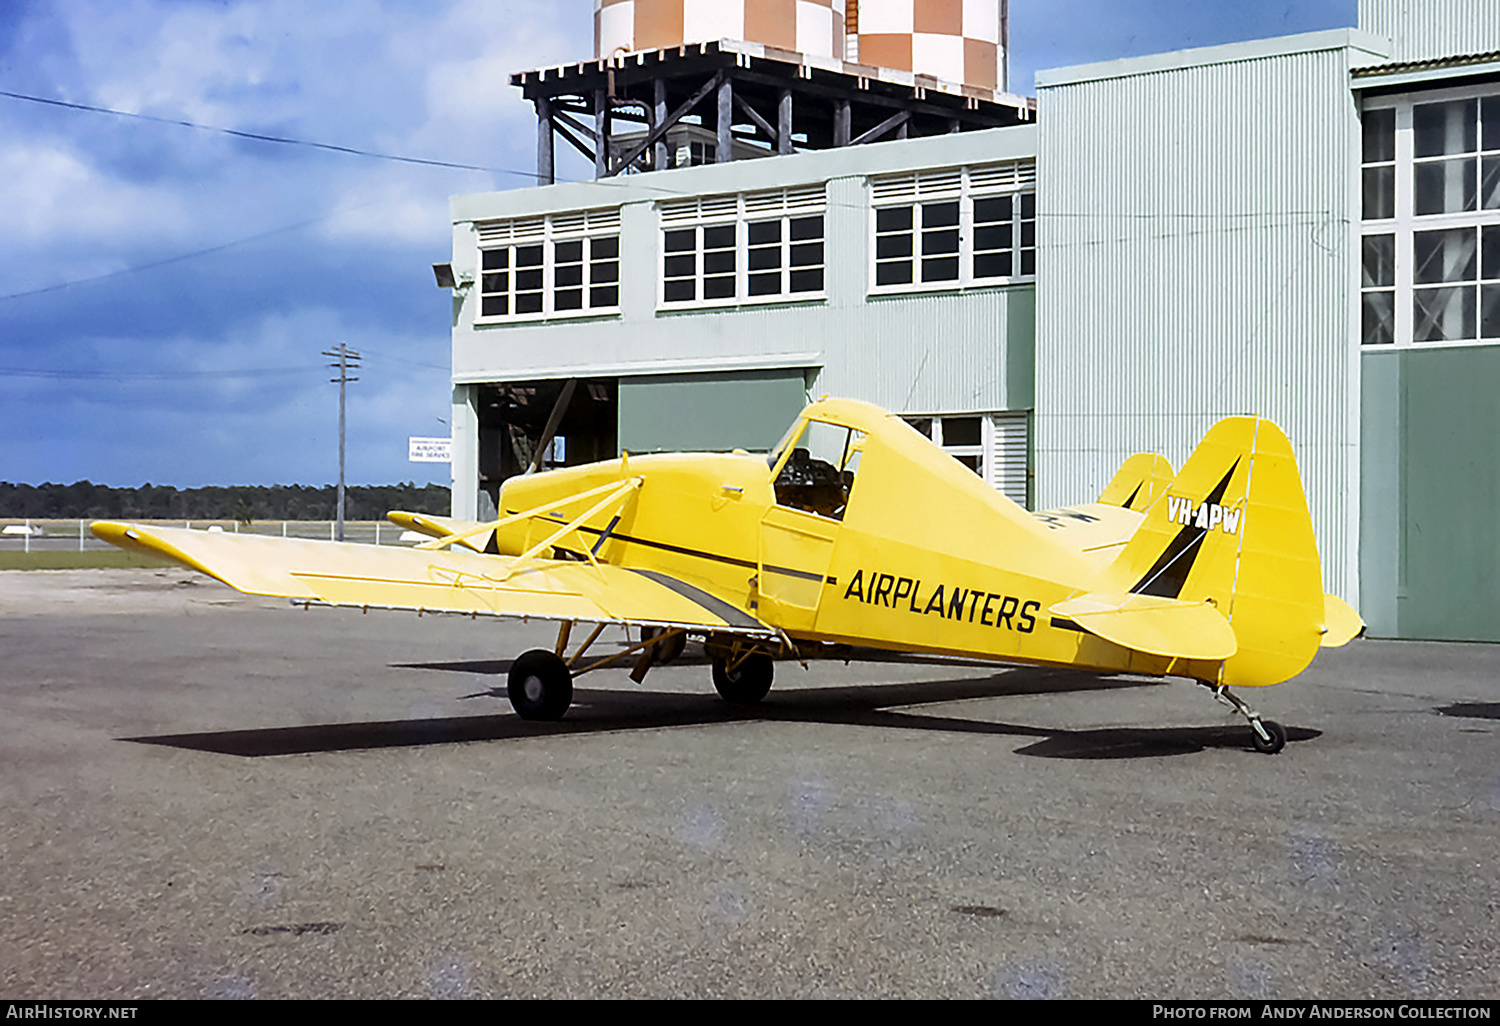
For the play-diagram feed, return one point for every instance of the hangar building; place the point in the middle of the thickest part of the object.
(846, 199)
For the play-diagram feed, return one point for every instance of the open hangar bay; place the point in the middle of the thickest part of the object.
(208, 795)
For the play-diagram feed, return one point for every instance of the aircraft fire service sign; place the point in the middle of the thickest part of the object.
(429, 450)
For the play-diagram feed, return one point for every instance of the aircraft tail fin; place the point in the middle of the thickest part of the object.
(1233, 531)
(1138, 482)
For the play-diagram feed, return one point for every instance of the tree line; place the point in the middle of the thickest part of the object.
(84, 500)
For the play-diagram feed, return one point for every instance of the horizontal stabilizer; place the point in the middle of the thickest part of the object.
(1341, 624)
(1149, 623)
(441, 527)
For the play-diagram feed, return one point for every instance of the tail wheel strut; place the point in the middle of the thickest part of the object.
(1268, 736)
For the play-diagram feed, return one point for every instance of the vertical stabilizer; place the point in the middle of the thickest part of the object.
(1138, 482)
(1233, 530)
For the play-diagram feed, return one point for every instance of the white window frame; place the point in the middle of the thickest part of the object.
(740, 210)
(548, 231)
(1000, 433)
(964, 185)
(1407, 224)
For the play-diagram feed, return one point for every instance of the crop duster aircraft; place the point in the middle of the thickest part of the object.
(855, 531)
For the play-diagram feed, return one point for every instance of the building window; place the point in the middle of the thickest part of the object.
(747, 248)
(954, 228)
(557, 266)
(1430, 251)
(993, 445)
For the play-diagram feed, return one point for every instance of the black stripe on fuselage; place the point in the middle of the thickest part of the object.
(785, 571)
(1169, 573)
(723, 610)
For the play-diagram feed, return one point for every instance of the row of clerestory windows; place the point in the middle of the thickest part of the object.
(947, 229)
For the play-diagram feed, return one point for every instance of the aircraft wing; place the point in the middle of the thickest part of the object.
(438, 581)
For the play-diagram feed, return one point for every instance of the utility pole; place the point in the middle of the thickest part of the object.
(348, 360)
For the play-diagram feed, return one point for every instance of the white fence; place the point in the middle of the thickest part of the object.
(57, 535)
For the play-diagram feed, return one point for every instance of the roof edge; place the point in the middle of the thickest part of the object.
(1367, 43)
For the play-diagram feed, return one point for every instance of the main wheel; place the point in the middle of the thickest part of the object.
(666, 651)
(1277, 741)
(748, 682)
(540, 686)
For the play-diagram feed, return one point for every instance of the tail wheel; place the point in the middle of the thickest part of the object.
(748, 682)
(1273, 742)
(540, 686)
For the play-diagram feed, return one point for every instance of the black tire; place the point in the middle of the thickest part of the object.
(1277, 741)
(666, 651)
(540, 686)
(749, 681)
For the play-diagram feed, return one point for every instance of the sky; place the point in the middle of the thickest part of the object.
(166, 291)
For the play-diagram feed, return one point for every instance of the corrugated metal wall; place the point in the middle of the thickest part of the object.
(1424, 29)
(1195, 262)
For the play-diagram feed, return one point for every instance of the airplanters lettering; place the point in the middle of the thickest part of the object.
(958, 604)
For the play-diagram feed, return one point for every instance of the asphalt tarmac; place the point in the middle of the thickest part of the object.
(207, 795)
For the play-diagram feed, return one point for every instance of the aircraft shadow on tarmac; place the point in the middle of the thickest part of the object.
(1472, 710)
(597, 711)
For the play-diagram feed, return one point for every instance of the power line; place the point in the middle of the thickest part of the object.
(189, 256)
(261, 137)
(50, 374)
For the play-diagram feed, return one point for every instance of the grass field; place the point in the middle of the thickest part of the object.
(101, 559)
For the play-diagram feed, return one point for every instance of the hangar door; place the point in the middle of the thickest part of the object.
(1430, 506)
(710, 412)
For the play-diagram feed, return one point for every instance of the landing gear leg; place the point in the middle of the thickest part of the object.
(1268, 736)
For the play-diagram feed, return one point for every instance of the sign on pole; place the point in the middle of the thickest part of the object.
(429, 450)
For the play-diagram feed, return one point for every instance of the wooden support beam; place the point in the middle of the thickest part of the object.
(601, 134)
(660, 131)
(545, 165)
(659, 153)
(760, 122)
(587, 149)
(784, 123)
(584, 131)
(724, 152)
(900, 118)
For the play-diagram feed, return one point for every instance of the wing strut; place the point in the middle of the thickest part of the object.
(615, 489)
(619, 494)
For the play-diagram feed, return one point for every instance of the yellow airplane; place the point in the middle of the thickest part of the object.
(855, 531)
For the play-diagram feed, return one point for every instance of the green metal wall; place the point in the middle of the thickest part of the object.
(1430, 532)
(709, 412)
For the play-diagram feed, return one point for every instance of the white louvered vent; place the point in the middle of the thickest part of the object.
(910, 188)
(493, 232)
(1008, 456)
(703, 209)
(1012, 174)
(786, 201)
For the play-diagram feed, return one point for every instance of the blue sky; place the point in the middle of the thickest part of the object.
(165, 291)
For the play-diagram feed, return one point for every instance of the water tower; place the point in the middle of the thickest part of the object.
(954, 40)
(681, 82)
